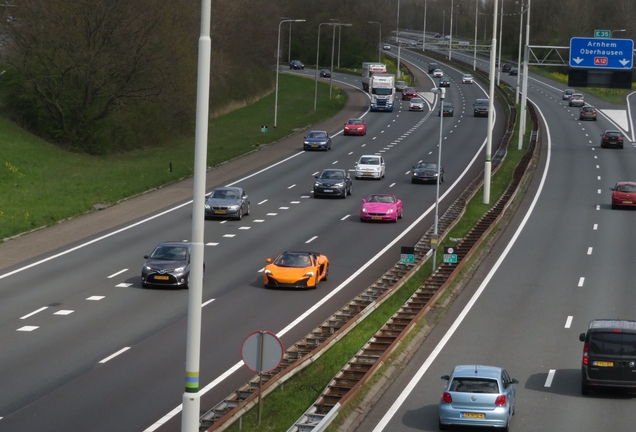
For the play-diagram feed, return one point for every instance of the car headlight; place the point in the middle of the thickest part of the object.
(389, 211)
(305, 142)
(308, 274)
(233, 207)
(148, 268)
(267, 272)
(339, 184)
(179, 269)
(207, 206)
(317, 184)
(364, 209)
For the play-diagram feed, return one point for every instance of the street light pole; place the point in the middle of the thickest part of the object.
(424, 29)
(491, 108)
(278, 65)
(500, 36)
(612, 32)
(397, 38)
(379, 41)
(519, 54)
(475, 47)
(334, 35)
(191, 399)
(450, 41)
(441, 92)
(289, 48)
(524, 87)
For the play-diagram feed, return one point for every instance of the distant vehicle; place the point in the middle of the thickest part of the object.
(567, 94)
(505, 67)
(370, 166)
(438, 73)
(427, 172)
(325, 73)
(447, 37)
(317, 140)
(368, 70)
(477, 396)
(612, 138)
(355, 126)
(400, 86)
(296, 270)
(333, 182)
(577, 99)
(587, 113)
(513, 71)
(409, 93)
(382, 89)
(167, 266)
(432, 67)
(449, 110)
(609, 359)
(416, 104)
(624, 194)
(231, 202)
(467, 79)
(481, 107)
(381, 207)
(296, 64)
(444, 81)
(437, 36)
(387, 47)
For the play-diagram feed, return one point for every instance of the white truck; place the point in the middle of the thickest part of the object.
(382, 89)
(368, 69)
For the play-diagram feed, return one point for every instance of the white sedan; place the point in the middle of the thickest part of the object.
(438, 73)
(416, 104)
(468, 79)
(387, 47)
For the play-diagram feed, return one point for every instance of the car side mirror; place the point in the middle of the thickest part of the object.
(514, 381)
(146, 256)
(611, 189)
(244, 196)
(316, 176)
(268, 260)
(445, 377)
(582, 337)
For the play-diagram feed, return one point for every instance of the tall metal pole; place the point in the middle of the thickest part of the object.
(524, 87)
(491, 108)
(191, 399)
(441, 91)
(397, 38)
(339, 40)
(424, 30)
(289, 49)
(379, 41)
(500, 36)
(334, 29)
(519, 54)
(333, 45)
(278, 67)
(450, 41)
(475, 47)
(317, 67)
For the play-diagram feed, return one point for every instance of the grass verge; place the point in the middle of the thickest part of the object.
(41, 184)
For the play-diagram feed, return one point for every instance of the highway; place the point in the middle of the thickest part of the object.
(86, 348)
(565, 259)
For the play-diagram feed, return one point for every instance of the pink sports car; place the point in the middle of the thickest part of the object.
(382, 207)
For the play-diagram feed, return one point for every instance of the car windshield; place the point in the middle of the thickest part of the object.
(224, 194)
(369, 161)
(317, 135)
(171, 253)
(468, 76)
(577, 96)
(474, 385)
(336, 175)
(409, 90)
(416, 101)
(482, 102)
(381, 198)
(382, 91)
(293, 260)
(355, 121)
(626, 188)
(401, 83)
(427, 165)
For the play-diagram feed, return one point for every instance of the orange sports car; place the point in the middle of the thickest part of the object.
(296, 270)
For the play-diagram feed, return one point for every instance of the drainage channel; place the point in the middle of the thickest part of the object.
(350, 380)
(320, 339)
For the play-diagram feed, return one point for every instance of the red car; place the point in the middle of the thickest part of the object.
(355, 126)
(624, 195)
(409, 93)
(381, 207)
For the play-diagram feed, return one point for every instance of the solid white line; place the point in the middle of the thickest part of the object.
(581, 281)
(420, 373)
(110, 357)
(118, 273)
(207, 303)
(262, 202)
(34, 312)
(568, 322)
(345, 217)
(548, 381)
(311, 239)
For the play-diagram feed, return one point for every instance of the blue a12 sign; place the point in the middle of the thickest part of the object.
(596, 53)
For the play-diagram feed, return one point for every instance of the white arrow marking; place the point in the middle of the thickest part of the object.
(624, 62)
(577, 60)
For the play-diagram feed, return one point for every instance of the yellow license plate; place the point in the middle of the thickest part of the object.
(368, 174)
(627, 202)
(162, 277)
(473, 415)
(604, 363)
(219, 211)
(376, 217)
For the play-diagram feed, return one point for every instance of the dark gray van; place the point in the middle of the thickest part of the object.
(609, 355)
(432, 67)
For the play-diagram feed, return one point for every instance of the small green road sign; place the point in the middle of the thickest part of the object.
(407, 254)
(450, 255)
(603, 34)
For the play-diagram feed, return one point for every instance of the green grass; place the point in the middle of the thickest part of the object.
(615, 96)
(41, 184)
(287, 403)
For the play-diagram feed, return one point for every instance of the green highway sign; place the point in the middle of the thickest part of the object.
(602, 33)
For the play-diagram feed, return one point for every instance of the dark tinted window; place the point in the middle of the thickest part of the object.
(607, 343)
(474, 385)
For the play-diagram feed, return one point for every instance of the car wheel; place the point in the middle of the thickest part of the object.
(614, 206)
(585, 389)
(248, 210)
(187, 284)
(350, 188)
(240, 214)
(413, 181)
(443, 427)
(144, 285)
(621, 147)
(401, 214)
(324, 278)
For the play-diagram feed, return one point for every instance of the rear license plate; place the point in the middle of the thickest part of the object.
(627, 202)
(603, 363)
(219, 211)
(162, 277)
(471, 415)
(613, 142)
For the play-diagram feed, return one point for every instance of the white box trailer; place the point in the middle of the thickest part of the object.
(368, 69)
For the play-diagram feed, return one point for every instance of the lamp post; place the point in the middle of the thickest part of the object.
(277, 66)
(500, 36)
(441, 92)
(339, 34)
(397, 38)
(491, 108)
(317, 59)
(450, 41)
(191, 399)
(424, 29)
(519, 53)
(333, 45)
(475, 46)
(289, 48)
(524, 87)
(612, 32)
(379, 41)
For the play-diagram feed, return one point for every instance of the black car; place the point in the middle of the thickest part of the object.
(481, 107)
(325, 73)
(427, 172)
(333, 182)
(317, 140)
(506, 67)
(444, 81)
(432, 67)
(230, 202)
(612, 138)
(167, 266)
(449, 110)
(513, 72)
(296, 64)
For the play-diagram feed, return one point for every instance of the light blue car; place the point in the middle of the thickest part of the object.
(477, 396)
